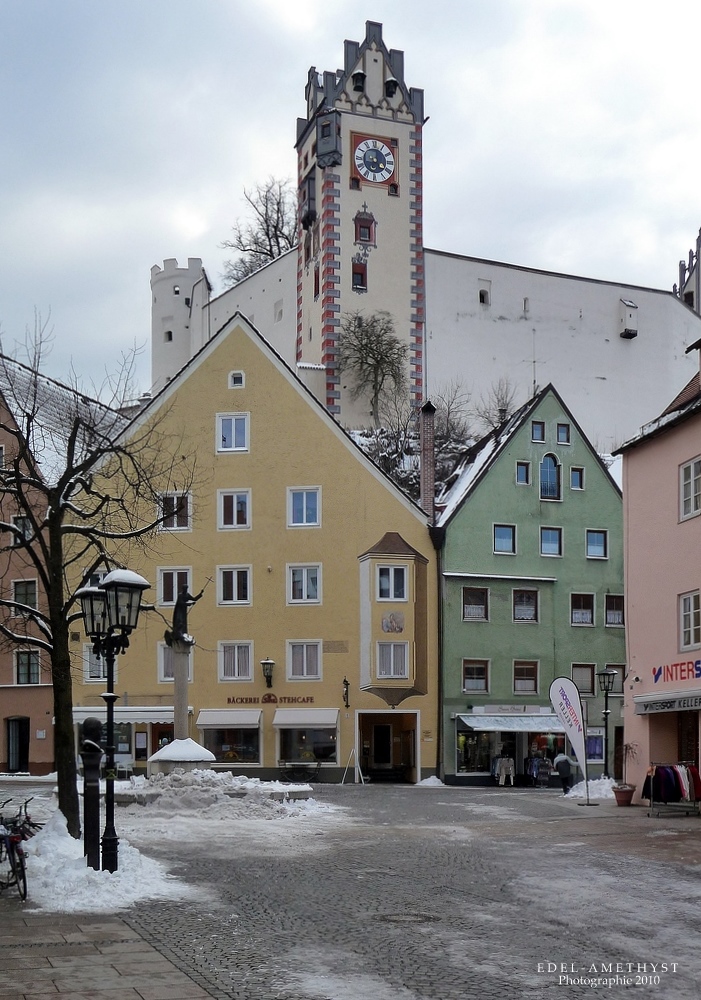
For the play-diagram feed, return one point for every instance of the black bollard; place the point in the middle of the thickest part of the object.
(91, 755)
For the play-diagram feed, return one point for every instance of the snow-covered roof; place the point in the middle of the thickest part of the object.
(54, 408)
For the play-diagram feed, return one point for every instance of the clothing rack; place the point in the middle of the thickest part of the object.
(689, 804)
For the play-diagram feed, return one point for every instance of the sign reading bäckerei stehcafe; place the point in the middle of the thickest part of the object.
(664, 700)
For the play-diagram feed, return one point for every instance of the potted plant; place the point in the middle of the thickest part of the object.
(622, 791)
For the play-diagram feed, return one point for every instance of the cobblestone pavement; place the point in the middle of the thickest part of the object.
(435, 893)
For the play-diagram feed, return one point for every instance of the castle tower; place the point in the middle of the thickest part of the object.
(360, 246)
(179, 296)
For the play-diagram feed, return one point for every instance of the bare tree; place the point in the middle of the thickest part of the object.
(270, 231)
(69, 469)
(373, 356)
(497, 405)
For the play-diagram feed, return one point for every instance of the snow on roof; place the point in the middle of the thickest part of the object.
(55, 408)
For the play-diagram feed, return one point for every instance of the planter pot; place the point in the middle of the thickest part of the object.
(624, 794)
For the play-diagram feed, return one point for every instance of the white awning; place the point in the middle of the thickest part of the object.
(668, 701)
(513, 723)
(126, 713)
(312, 718)
(228, 718)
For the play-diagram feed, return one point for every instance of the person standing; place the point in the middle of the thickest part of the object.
(563, 765)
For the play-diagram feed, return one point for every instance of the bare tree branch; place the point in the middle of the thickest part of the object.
(270, 231)
(374, 358)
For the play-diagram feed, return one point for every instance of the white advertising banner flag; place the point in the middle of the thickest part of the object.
(565, 699)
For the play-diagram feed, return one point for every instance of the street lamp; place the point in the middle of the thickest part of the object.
(267, 667)
(607, 678)
(110, 613)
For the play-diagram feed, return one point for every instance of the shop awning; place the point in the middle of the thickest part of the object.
(228, 718)
(126, 713)
(513, 723)
(309, 718)
(669, 701)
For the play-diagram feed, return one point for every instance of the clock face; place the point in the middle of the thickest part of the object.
(374, 160)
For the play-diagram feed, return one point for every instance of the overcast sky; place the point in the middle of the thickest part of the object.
(563, 134)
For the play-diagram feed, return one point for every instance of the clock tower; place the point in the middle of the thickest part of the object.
(360, 246)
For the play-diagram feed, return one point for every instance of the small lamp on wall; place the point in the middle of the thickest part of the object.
(267, 666)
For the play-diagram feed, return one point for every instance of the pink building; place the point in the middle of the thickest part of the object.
(662, 525)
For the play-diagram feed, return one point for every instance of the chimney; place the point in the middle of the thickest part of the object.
(428, 459)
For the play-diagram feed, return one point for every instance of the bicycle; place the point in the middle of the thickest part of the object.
(14, 830)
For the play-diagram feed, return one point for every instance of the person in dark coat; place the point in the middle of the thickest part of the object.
(563, 765)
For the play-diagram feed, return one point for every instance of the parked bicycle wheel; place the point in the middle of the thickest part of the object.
(19, 870)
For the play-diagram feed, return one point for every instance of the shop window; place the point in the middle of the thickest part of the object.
(581, 609)
(304, 745)
(234, 509)
(235, 661)
(27, 664)
(597, 544)
(549, 478)
(474, 751)
(614, 609)
(175, 512)
(551, 541)
(392, 659)
(233, 746)
(563, 433)
(475, 676)
(475, 604)
(690, 488)
(525, 605)
(505, 539)
(690, 620)
(170, 582)
(523, 473)
(303, 661)
(537, 430)
(525, 677)
(391, 583)
(576, 478)
(583, 677)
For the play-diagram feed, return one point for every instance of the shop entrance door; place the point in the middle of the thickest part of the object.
(382, 746)
(18, 744)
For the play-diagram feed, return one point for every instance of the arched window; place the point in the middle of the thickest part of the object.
(549, 478)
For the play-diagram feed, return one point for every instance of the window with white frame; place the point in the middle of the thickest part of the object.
(583, 677)
(537, 430)
(234, 584)
(523, 473)
(690, 620)
(304, 584)
(234, 508)
(166, 663)
(597, 544)
(581, 609)
(235, 661)
(232, 432)
(171, 581)
(392, 659)
(690, 488)
(563, 433)
(525, 677)
(551, 541)
(237, 380)
(475, 604)
(24, 592)
(576, 477)
(475, 676)
(304, 507)
(27, 665)
(94, 666)
(614, 609)
(620, 669)
(23, 529)
(391, 583)
(176, 511)
(505, 539)
(525, 605)
(304, 660)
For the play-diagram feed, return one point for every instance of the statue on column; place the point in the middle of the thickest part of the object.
(179, 632)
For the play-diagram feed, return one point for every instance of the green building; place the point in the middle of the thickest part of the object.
(531, 535)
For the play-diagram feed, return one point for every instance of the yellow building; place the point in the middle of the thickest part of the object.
(309, 557)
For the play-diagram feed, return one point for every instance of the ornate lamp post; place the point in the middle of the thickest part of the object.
(110, 614)
(267, 667)
(607, 678)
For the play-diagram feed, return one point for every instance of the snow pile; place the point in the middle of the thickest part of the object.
(599, 788)
(432, 782)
